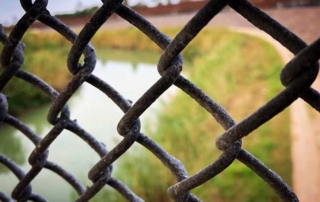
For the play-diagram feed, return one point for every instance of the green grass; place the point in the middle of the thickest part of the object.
(241, 74)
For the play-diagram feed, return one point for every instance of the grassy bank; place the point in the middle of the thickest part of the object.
(241, 74)
(238, 71)
(45, 56)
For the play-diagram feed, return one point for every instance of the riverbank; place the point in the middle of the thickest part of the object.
(226, 68)
(46, 56)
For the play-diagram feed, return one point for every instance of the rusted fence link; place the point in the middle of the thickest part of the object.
(297, 76)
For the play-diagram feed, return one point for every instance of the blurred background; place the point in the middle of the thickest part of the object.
(235, 63)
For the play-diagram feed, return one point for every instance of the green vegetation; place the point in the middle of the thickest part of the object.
(240, 73)
(118, 39)
(45, 56)
(237, 71)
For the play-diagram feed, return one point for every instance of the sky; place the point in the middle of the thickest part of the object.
(11, 10)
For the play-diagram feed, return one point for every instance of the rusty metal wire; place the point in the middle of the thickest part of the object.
(297, 76)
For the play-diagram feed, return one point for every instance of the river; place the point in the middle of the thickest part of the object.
(95, 112)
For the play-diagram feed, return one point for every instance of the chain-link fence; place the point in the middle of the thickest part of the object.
(297, 76)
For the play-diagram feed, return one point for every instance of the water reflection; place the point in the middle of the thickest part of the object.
(95, 112)
(11, 147)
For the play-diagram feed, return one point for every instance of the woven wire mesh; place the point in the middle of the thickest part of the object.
(297, 76)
